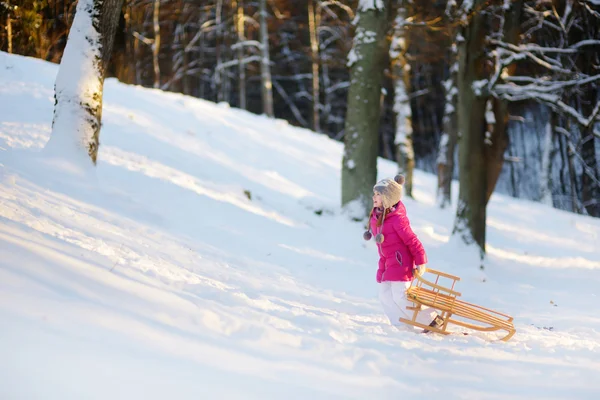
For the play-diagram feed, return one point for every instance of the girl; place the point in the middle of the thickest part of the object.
(401, 253)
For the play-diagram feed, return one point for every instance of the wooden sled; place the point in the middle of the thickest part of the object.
(445, 300)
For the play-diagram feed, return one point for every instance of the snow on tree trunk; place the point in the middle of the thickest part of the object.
(447, 145)
(265, 68)
(79, 83)
(405, 155)
(361, 140)
(545, 173)
(471, 208)
(496, 143)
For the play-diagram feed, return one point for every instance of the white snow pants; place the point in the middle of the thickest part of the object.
(392, 295)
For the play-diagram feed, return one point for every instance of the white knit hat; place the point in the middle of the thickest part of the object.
(390, 190)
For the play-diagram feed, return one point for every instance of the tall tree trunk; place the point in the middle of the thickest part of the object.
(571, 151)
(590, 179)
(496, 144)
(361, 140)
(218, 81)
(448, 140)
(240, 54)
(471, 209)
(9, 28)
(499, 139)
(156, 43)
(405, 154)
(79, 83)
(546, 168)
(265, 61)
(314, 46)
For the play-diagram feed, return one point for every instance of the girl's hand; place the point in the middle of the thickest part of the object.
(420, 269)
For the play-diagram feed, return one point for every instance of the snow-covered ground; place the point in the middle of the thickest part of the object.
(206, 258)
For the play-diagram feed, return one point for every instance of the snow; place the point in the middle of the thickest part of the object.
(366, 5)
(207, 257)
(352, 57)
(77, 84)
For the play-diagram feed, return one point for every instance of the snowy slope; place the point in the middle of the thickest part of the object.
(157, 277)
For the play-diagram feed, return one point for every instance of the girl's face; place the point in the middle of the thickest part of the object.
(377, 200)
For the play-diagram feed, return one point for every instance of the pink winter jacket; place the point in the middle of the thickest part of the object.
(401, 250)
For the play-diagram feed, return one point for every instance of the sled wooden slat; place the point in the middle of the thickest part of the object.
(425, 293)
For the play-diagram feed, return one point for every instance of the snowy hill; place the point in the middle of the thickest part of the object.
(206, 258)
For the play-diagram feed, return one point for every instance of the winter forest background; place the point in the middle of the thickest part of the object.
(532, 68)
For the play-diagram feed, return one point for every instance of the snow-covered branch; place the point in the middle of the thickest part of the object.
(232, 63)
(534, 48)
(247, 43)
(539, 85)
(552, 100)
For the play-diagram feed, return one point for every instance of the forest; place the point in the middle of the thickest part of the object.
(507, 89)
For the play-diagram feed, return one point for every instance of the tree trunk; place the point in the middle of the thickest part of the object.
(240, 54)
(499, 138)
(590, 179)
(361, 140)
(265, 68)
(156, 43)
(9, 28)
(405, 155)
(218, 81)
(314, 46)
(448, 140)
(79, 83)
(471, 209)
(546, 168)
(496, 145)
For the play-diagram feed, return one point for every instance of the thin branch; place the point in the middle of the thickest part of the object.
(588, 171)
(290, 103)
(539, 49)
(143, 39)
(247, 43)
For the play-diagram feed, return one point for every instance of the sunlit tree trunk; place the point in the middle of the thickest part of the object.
(265, 67)
(9, 27)
(240, 53)
(80, 79)
(314, 47)
(361, 139)
(156, 43)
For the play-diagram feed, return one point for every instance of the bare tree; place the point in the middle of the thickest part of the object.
(79, 84)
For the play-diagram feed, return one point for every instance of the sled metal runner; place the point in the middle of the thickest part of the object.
(424, 293)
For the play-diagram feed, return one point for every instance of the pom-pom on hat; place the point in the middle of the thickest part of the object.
(390, 190)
